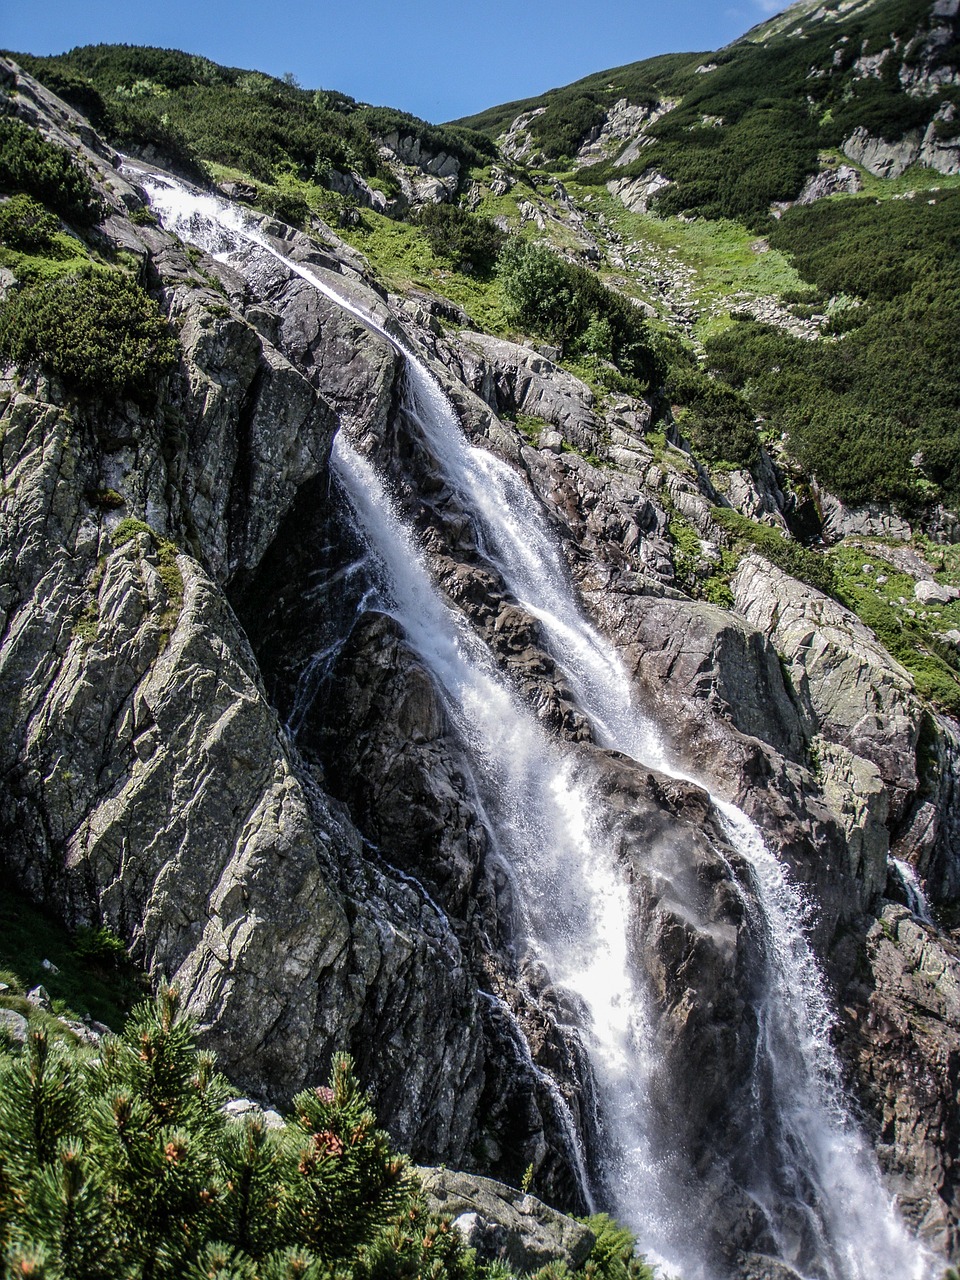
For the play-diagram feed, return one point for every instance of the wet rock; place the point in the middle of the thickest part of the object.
(902, 1026)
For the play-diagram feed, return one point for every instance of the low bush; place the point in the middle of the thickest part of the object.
(96, 329)
(716, 420)
(31, 165)
(570, 306)
(26, 225)
(125, 1164)
(469, 242)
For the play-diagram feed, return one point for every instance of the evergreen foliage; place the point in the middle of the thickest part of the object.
(95, 329)
(123, 1163)
(570, 306)
(32, 166)
(27, 225)
(717, 421)
(470, 243)
(126, 1165)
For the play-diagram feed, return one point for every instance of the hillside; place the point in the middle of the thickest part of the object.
(486, 597)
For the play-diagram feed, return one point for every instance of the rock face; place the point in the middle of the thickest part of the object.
(505, 1225)
(904, 1035)
(891, 159)
(218, 738)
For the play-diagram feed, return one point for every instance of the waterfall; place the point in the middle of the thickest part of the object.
(816, 1178)
(913, 890)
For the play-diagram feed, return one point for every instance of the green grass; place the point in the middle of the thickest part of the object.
(726, 260)
(401, 257)
(908, 629)
(104, 989)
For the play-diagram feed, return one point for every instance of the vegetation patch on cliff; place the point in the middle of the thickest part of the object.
(96, 329)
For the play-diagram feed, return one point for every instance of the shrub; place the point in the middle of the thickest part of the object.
(471, 243)
(716, 420)
(97, 330)
(32, 166)
(99, 944)
(26, 225)
(614, 1255)
(571, 306)
(126, 1165)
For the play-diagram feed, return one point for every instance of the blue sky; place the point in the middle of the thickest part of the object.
(436, 58)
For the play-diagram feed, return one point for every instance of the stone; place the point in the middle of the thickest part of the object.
(758, 1266)
(504, 1224)
(927, 592)
(39, 996)
(843, 179)
(13, 1027)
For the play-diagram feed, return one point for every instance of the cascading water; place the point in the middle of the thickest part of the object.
(540, 807)
(913, 890)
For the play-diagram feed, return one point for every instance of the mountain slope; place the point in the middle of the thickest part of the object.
(226, 735)
(740, 129)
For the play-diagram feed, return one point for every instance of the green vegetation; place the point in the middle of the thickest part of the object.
(873, 414)
(472, 148)
(471, 244)
(87, 979)
(717, 421)
(96, 329)
(569, 305)
(748, 133)
(197, 112)
(784, 552)
(123, 1162)
(911, 632)
(613, 1257)
(32, 166)
(568, 116)
(725, 265)
(167, 569)
(26, 225)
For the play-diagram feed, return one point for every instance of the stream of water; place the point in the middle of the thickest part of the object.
(544, 819)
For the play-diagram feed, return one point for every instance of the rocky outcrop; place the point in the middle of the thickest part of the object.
(928, 147)
(830, 182)
(850, 689)
(506, 1225)
(626, 122)
(637, 194)
(903, 1031)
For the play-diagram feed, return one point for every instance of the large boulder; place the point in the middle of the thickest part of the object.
(506, 1225)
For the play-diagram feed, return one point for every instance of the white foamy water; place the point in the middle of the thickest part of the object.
(816, 1179)
(913, 890)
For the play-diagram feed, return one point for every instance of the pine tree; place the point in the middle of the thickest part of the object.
(345, 1183)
